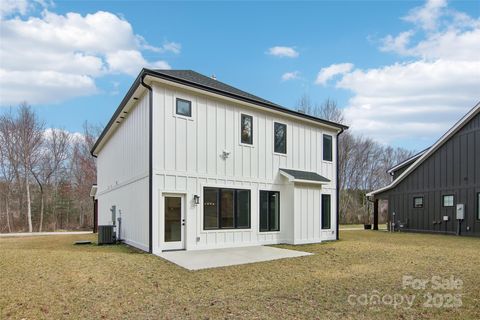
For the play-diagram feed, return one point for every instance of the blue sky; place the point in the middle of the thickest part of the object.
(387, 63)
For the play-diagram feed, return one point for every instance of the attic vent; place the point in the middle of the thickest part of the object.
(214, 77)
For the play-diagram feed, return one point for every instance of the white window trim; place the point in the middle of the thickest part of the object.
(193, 104)
(224, 186)
(240, 131)
(286, 138)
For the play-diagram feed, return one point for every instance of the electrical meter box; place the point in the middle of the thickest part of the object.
(460, 211)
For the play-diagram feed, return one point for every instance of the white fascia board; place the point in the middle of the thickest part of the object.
(237, 101)
(139, 91)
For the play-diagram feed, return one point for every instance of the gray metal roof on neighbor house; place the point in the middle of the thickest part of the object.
(196, 80)
(430, 151)
(298, 175)
(407, 162)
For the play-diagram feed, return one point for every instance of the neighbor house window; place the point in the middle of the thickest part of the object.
(448, 200)
(246, 130)
(184, 107)
(326, 211)
(269, 211)
(225, 208)
(280, 133)
(327, 147)
(478, 206)
(418, 202)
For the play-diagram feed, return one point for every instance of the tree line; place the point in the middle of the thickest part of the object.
(45, 174)
(363, 163)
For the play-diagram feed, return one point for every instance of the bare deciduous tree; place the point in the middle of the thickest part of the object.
(56, 161)
(362, 162)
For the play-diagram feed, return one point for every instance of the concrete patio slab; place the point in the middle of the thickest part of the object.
(214, 258)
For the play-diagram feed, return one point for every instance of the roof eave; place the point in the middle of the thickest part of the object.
(148, 72)
(241, 98)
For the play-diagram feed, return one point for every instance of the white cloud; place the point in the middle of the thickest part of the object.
(448, 34)
(78, 48)
(333, 70)
(173, 47)
(42, 86)
(410, 99)
(423, 97)
(279, 51)
(22, 7)
(427, 16)
(290, 76)
(131, 61)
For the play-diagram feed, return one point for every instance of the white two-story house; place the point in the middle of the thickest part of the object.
(192, 163)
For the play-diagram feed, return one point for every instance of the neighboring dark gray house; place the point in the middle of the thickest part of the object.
(428, 190)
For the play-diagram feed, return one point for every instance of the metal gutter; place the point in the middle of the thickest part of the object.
(150, 162)
(148, 72)
(338, 190)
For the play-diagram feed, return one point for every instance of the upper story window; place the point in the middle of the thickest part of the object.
(418, 202)
(246, 129)
(448, 200)
(327, 147)
(280, 136)
(183, 107)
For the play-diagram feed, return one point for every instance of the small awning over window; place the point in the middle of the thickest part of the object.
(303, 176)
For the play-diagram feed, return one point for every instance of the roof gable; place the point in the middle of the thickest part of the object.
(440, 142)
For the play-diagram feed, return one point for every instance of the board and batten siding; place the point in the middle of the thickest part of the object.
(187, 157)
(454, 169)
(122, 167)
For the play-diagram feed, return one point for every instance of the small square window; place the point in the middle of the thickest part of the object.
(246, 130)
(448, 200)
(184, 107)
(418, 202)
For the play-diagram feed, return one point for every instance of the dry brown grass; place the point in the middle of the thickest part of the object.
(50, 278)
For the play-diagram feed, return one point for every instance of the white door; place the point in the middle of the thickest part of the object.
(174, 223)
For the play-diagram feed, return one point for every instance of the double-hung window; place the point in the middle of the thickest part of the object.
(418, 202)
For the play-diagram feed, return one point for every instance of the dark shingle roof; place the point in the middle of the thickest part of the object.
(197, 80)
(305, 175)
(195, 77)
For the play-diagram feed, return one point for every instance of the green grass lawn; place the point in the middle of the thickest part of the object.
(50, 278)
